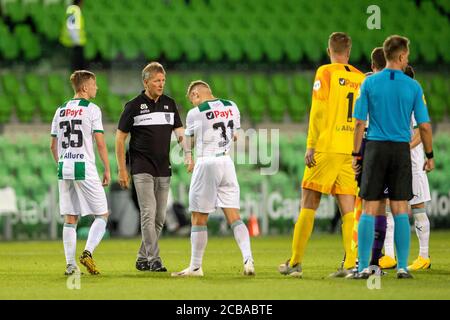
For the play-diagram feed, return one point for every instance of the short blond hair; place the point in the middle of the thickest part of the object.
(152, 68)
(79, 77)
(339, 42)
(393, 45)
(196, 83)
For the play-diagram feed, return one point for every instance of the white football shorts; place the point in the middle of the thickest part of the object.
(213, 184)
(82, 197)
(421, 189)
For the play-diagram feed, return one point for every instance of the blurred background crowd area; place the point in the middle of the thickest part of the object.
(262, 54)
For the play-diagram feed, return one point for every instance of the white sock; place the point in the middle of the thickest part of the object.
(70, 242)
(422, 225)
(96, 233)
(389, 240)
(199, 239)
(243, 239)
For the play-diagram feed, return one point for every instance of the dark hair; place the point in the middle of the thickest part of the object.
(409, 71)
(377, 57)
(393, 45)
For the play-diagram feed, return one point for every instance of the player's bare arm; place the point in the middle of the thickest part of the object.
(426, 135)
(358, 136)
(188, 159)
(54, 148)
(415, 141)
(103, 152)
(121, 137)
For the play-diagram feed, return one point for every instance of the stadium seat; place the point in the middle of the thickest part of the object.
(297, 106)
(6, 109)
(11, 85)
(26, 109)
(277, 108)
(256, 108)
(47, 107)
(34, 83)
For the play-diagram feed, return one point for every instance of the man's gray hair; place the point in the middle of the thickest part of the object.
(152, 68)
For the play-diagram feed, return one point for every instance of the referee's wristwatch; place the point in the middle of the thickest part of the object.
(429, 155)
(355, 154)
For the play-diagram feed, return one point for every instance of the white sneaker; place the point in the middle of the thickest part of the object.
(188, 272)
(249, 268)
(72, 269)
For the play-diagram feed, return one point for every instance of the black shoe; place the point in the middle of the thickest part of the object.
(156, 266)
(142, 265)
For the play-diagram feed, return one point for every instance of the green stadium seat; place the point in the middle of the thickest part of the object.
(239, 84)
(47, 107)
(11, 84)
(59, 87)
(9, 46)
(261, 85)
(6, 109)
(232, 47)
(256, 108)
(297, 107)
(34, 83)
(280, 84)
(113, 107)
(26, 108)
(219, 86)
(437, 107)
(212, 47)
(252, 47)
(277, 108)
(15, 10)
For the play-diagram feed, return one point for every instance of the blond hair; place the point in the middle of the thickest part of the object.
(393, 45)
(79, 77)
(152, 68)
(339, 42)
(196, 83)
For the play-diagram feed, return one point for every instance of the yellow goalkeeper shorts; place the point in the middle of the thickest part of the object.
(332, 174)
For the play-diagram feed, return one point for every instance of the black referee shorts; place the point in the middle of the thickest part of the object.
(386, 164)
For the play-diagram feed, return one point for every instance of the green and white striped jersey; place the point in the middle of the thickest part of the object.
(212, 124)
(74, 125)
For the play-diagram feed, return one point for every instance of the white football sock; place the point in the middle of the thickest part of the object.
(422, 225)
(242, 238)
(199, 239)
(70, 242)
(389, 240)
(96, 233)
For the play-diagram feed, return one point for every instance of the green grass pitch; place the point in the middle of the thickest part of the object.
(34, 270)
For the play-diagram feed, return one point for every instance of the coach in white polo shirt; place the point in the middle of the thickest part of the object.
(150, 119)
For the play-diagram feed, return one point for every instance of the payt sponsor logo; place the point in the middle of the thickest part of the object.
(223, 114)
(71, 112)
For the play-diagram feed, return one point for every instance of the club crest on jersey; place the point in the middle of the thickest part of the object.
(167, 116)
(70, 112)
(317, 85)
(210, 115)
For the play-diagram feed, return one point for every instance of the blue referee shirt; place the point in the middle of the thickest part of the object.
(389, 98)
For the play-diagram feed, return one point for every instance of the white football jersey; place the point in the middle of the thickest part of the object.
(74, 125)
(417, 153)
(212, 124)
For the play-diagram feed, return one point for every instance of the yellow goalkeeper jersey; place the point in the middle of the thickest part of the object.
(331, 122)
